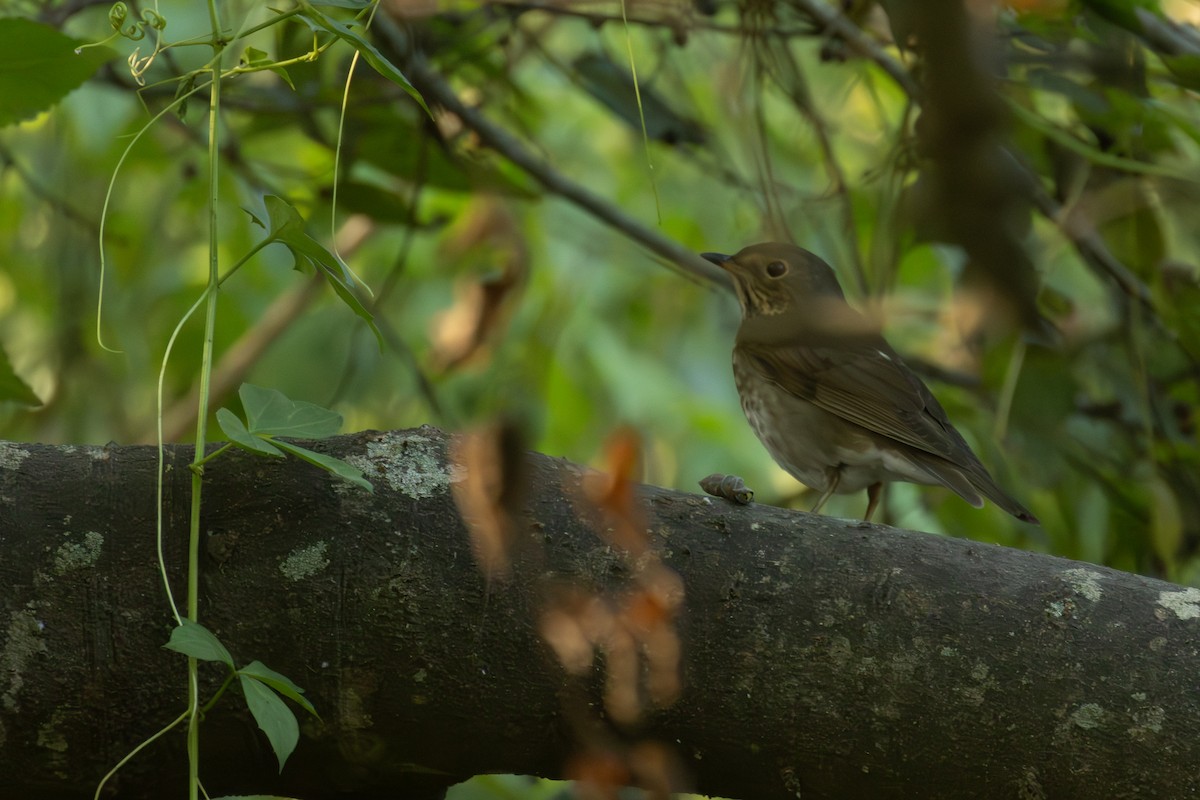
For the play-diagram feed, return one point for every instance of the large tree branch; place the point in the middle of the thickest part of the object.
(817, 657)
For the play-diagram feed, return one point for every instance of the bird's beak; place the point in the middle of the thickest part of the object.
(717, 258)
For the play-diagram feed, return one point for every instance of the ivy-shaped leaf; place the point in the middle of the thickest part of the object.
(319, 20)
(237, 432)
(286, 226)
(271, 413)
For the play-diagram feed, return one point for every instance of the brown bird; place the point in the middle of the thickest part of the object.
(834, 404)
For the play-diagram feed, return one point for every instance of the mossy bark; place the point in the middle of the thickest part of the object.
(819, 658)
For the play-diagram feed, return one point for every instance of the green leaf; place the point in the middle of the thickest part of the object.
(1185, 68)
(236, 431)
(380, 204)
(367, 50)
(287, 227)
(280, 683)
(1124, 13)
(12, 388)
(193, 639)
(271, 413)
(273, 716)
(611, 84)
(328, 463)
(39, 66)
(253, 57)
(383, 136)
(1166, 521)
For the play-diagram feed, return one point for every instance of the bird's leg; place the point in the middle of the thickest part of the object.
(835, 475)
(873, 493)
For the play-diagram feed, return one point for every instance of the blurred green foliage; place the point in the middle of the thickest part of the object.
(495, 297)
(498, 297)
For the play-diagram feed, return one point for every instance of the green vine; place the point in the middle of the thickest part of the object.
(270, 415)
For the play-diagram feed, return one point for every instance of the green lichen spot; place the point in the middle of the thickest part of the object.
(305, 562)
(1147, 721)
(1085, 582)
(50, 736)
(78, 555)
(409, 462)
(1185, 604)
(1088, 716)
(22, 642)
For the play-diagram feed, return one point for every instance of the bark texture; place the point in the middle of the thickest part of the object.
(820, 658)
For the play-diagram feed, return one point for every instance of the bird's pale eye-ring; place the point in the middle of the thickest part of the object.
(776, 269)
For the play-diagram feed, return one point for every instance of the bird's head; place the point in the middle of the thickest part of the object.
(774, 278)
(791, 296)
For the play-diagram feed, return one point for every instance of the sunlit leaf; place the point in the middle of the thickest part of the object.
(39, 66)
(270, 412)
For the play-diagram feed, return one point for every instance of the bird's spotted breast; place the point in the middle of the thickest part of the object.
(773, 415)
(812, 444)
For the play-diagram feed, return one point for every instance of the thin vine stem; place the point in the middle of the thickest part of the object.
(206, 363)
(145, 743)
(158, 520)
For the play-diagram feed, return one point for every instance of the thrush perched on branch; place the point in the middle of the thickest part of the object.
(834, 404)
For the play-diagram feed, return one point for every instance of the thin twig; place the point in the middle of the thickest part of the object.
(834, 21)
(1083, 237)
(436, 90)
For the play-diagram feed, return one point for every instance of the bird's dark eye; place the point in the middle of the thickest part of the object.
(777, 269)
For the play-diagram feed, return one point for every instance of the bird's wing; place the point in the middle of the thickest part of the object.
(868, 384)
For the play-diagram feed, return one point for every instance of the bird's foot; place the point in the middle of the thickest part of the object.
(730, 487)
